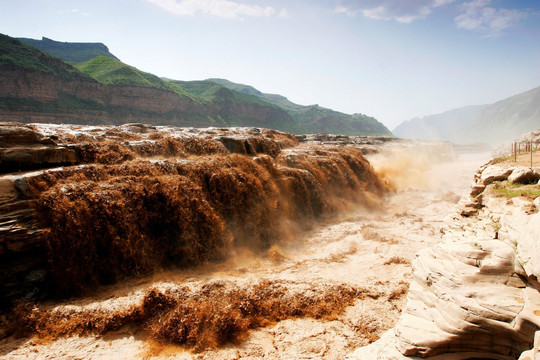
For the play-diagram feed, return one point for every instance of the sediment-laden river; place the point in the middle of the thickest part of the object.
(356, 263)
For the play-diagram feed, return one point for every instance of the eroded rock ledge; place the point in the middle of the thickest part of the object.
(476, 294)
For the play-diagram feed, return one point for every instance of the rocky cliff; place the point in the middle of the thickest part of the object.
(476, 294)
(43, 97)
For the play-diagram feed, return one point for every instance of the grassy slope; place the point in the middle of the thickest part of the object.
(71, 52)
(227, 103)
(15, 55)
(112, 72)
(234, 107)
(109, 71)
(209, 92)
(314, 118)
(275, 99)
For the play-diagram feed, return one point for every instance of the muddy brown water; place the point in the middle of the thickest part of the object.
(370, 250)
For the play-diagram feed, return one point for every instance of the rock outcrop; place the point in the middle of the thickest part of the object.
(494, 173)
(524, 175)
(476, 294)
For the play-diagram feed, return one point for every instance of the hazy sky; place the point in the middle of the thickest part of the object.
(391, 59)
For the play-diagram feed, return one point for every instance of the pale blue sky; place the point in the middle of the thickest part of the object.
(391, 59)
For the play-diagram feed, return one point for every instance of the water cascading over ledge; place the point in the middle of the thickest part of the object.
(82, 206)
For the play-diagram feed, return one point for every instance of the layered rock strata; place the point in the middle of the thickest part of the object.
(32, 97)
(476, 294)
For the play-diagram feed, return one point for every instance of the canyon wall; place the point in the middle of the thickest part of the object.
(476, 294)
(46, 97)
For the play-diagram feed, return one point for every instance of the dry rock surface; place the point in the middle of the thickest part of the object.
(476, 294)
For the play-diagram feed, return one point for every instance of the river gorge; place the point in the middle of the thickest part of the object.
(143, 241)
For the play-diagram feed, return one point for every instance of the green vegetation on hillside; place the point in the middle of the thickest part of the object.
(314, 118)
(509, 190)
(62, 103)
(275, 99)
(109, 71)
(14, 55)
(215, 102)
(219, 100)
(206, 92)
(317, 119)
(246, 89)
(71, 52)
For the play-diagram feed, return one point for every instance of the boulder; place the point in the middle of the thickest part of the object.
(466, 301)
(534, 353)
(494, 173)
(524, 231)
(469, 206)
(467, 297)
(477, 189)
(524, 175)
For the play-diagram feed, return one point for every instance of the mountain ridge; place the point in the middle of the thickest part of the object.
(68, 51)
(508, 118)
(438, 127)
(125, 90)
(492, 123)
(314, 118)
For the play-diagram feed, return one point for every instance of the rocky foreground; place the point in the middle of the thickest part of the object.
(327, 284)
(476, 294)
(82, 207)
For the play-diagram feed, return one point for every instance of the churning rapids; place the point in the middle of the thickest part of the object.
(309, 290)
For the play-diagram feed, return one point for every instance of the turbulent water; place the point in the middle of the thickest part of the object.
(321, 294)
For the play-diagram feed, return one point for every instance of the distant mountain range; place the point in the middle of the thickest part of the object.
(495, 123)
(446, 126)
(314, 118)
(507, 119)
(50, 81)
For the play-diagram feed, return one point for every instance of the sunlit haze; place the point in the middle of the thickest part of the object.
(390, 59)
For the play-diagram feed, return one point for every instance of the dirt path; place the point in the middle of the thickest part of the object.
(524, 159)
(362, 249)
